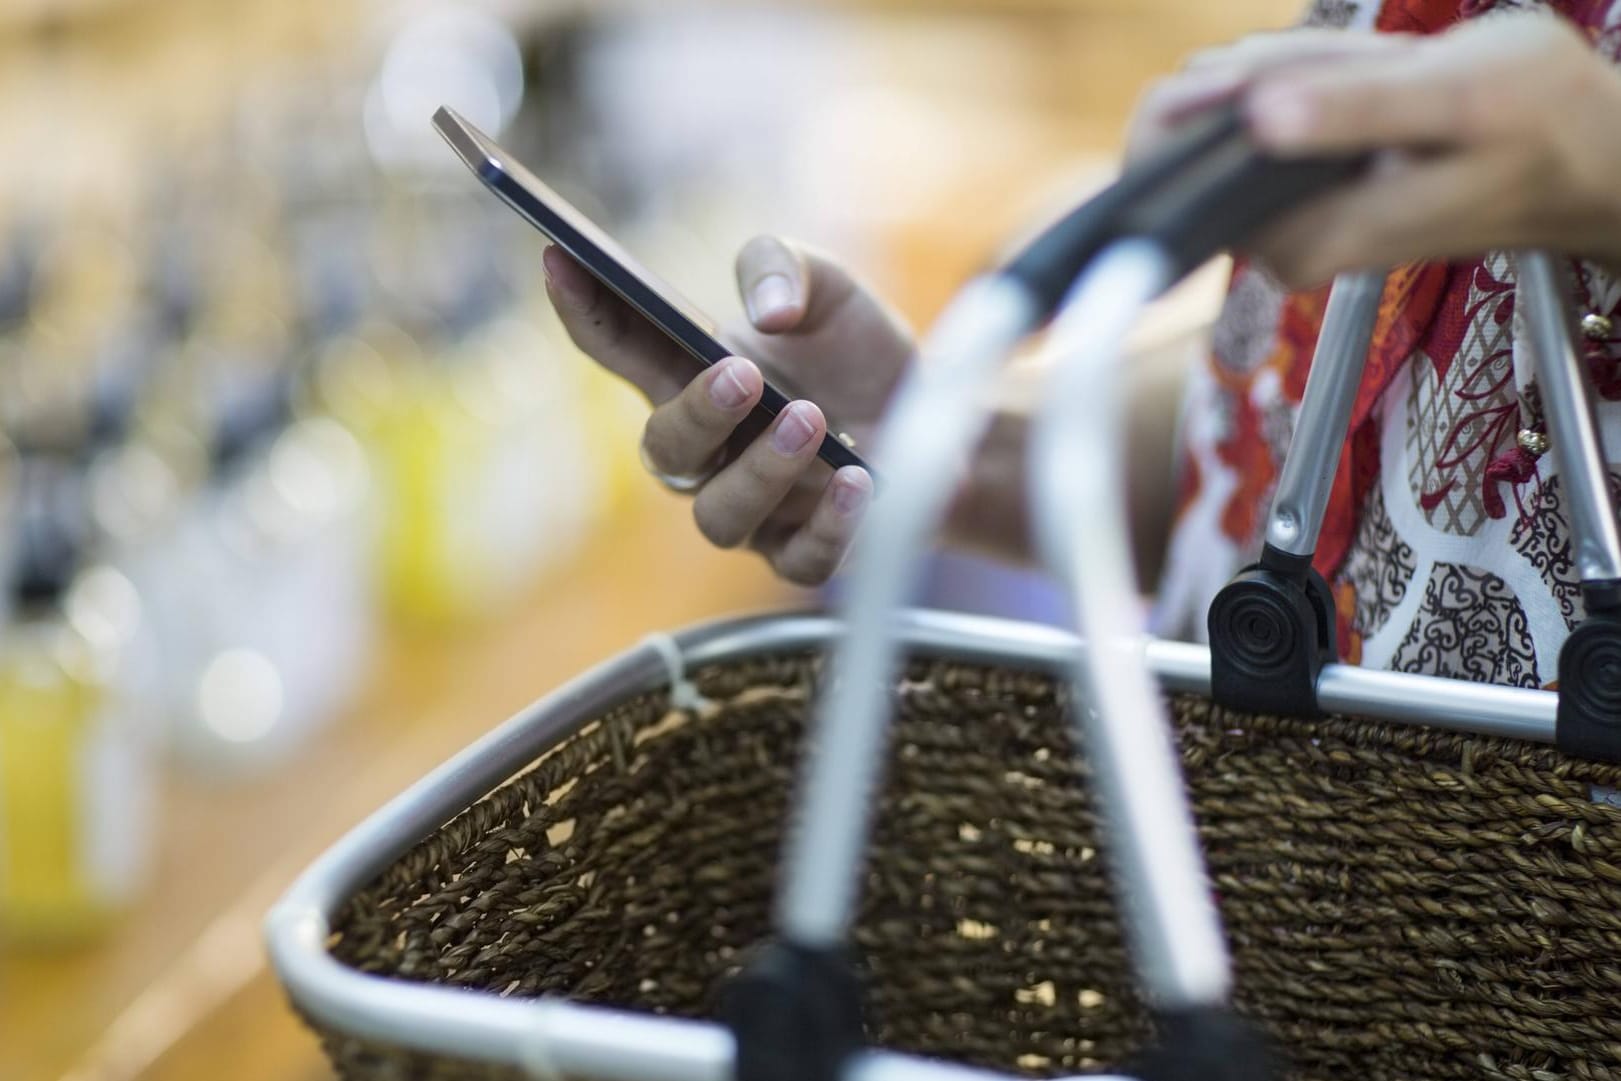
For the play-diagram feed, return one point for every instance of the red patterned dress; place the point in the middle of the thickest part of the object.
(1445, 542)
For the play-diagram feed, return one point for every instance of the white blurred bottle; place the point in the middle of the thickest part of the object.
(260, 600)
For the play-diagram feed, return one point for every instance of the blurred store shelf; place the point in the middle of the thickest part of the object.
(181, 990)
(911, 138)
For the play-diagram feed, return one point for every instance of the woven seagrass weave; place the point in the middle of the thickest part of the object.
(1402, 903)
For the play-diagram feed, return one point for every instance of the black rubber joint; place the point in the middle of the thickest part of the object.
(1589, 720)
(1272, 628)
(1206, 1044)
(796, 1014)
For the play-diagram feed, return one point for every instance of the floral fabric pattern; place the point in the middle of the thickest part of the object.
(1445, 542)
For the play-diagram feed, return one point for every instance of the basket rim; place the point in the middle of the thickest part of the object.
(553, 1037)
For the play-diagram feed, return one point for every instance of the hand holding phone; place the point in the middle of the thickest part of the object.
(811, 322)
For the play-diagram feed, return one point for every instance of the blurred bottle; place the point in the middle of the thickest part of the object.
(259, 590)
(262, 603)
(475, 426)
(483, 475)
(76, 782)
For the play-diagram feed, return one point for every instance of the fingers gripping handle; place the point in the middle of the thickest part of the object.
(1208, 188)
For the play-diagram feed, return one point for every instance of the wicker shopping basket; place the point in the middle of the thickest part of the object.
(1412, 882)
(1402, 901)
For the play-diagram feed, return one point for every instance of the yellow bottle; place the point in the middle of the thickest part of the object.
(485, 475)
(74, 785)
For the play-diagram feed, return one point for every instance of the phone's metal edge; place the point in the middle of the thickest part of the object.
(461, 137)
(490, 1028)
(479, 153)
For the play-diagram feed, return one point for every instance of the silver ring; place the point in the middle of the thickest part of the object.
(683, 485)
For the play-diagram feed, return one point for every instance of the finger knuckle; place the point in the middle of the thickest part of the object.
(656, 446)
(1475, 107)
(1581, 74)
(599, 329)
(763, 472)
(577, 334)
(719, 525)
(1548, 33)
(806, 569)
(696, 412)
(823, 551)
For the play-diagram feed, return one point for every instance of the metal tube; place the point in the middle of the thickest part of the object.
(881, 1066)
(1477, 708)
(1572, 424)
(1171, 922)
(566, 1040)
(935, 422)
(1325, 413)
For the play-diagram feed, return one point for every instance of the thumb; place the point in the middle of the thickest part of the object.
(787, 288)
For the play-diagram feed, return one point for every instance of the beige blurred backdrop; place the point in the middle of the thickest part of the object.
(245, 193)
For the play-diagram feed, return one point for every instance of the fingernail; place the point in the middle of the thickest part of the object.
(771, 294)
(1198, 88)
(850, 495)
(1279, 114)
(726, 386)
(794, 431)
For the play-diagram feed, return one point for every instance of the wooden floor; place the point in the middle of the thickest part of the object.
(182, 991)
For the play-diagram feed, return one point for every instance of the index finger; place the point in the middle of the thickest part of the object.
(1465, 86)
(613, 333)
(1222, 74)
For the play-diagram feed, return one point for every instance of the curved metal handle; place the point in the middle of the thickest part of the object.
(1079, 491)
(1209, 186)
(936, 420)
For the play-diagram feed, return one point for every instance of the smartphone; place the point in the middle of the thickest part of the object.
(613, 267)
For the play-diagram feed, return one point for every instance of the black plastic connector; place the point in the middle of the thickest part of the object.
(1206, 188)
(796, 1014)
(1272, 628)
(1206, 1044)
(1235, 191)
(1589, 719)
(1049, 265)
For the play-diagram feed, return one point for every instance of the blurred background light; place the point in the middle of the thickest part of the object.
(240, 696)
(449, 54)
